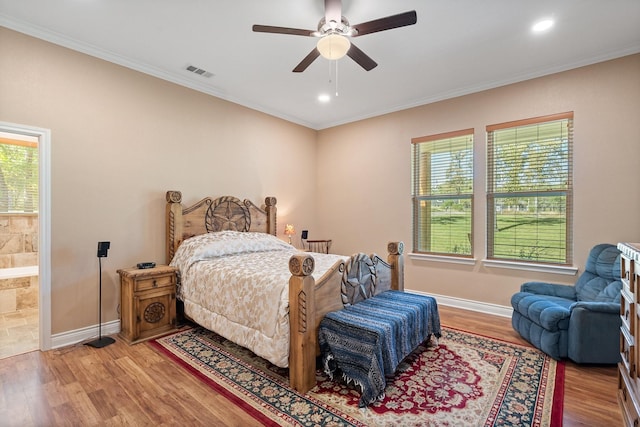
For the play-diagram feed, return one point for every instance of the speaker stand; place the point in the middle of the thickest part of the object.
(101, 341)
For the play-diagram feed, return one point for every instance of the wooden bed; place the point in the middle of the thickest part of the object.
(309, 300)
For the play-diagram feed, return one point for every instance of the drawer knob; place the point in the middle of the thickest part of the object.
(155, 284)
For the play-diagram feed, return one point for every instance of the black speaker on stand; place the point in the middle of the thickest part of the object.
(103, 247)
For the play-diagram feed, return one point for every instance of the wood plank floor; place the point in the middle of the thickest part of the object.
(134, 385)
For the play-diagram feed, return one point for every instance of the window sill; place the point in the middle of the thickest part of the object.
(541, 268)
(443, 258)
(513, 265)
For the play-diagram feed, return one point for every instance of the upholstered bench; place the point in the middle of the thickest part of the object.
(367, 341)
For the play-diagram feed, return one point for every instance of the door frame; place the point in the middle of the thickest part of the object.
(44, 224)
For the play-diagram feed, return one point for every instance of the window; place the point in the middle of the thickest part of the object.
(18, 175)
(529, 190)
(442, 193)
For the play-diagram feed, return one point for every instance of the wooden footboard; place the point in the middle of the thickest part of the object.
(346, 283)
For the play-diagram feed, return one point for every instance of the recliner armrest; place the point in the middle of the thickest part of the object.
(553, 289)
(594, 333)
(601, 307)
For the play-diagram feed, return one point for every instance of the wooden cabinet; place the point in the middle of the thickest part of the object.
(628, 376)
(147, 302)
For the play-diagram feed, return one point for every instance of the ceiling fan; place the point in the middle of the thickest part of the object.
(334, 32)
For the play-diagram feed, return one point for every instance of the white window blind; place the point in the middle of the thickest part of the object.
(529, 190)
(18, 176)
(442, 193)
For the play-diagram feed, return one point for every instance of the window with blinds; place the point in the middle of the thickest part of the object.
(18, 176)
(529, 190)
(442, 193)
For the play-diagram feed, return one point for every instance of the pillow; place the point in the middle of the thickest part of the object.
(221, 243)
(236, 242)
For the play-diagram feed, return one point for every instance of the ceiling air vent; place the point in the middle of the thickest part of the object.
(199, 71)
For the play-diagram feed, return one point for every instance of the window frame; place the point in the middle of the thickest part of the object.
(567, 192)
(417, 198)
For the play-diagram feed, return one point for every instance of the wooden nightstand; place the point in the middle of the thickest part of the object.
(147, 302)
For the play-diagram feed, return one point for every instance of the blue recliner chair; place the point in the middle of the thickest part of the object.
(581, 322)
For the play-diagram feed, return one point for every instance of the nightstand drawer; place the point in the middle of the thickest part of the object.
(155, 282)
(627, 267)
(627, 311)
(627, 351)
(626, 399)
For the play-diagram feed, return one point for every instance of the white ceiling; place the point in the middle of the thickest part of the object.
(457, 47)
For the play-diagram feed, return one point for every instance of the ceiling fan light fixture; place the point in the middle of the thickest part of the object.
(333, 46)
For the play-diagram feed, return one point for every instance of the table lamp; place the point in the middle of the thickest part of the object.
(289, 231)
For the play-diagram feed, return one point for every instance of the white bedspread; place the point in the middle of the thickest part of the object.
(237, 285)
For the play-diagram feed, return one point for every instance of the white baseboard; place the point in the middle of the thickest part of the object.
(85, 334)
(482, 307)
(64, 339)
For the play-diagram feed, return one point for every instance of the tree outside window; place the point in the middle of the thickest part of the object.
(18, 176)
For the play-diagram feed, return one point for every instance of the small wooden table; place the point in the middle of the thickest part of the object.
(148, 302)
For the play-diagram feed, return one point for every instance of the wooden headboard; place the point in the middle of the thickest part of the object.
(215, 214)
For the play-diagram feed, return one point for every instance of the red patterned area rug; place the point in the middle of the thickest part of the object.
(465, 380)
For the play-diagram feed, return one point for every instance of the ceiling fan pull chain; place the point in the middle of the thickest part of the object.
(331, 75)
(336, 77)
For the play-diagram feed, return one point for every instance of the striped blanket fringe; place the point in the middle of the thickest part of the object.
(330, 369)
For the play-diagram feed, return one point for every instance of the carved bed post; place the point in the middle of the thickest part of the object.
(396, 260)
(270, 208)
(303, 336)
(173, 223)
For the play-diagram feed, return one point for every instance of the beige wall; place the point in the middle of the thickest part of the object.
(364, 196)
(120, 139)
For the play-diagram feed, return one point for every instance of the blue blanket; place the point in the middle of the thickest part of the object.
(368, 340)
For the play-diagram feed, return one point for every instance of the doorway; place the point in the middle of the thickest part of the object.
(25, 320)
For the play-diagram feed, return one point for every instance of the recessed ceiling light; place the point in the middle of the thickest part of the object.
(324, 97)
(542, 25)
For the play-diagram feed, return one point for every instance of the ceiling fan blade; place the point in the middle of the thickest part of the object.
(333, 10)
(307, 61)
(282, 30)
(361, 58)
(387, 23)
